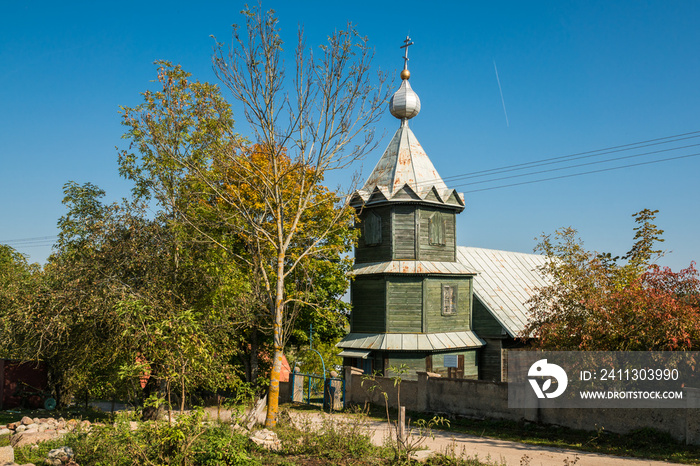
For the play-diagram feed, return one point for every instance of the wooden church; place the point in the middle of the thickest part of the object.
(413, 290)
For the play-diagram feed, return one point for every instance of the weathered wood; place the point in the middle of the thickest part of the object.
(404, 304)
(483, 322)
(375, 253)
(368, 305)
(434, 320)
(491, 360)
(428, 251)
(404, 233)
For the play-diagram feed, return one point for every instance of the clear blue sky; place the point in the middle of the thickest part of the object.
(575, 77)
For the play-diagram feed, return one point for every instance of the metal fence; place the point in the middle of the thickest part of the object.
(314, 389)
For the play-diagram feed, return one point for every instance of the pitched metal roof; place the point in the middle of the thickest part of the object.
(411, 266)
(405, 172)
(411, 341)
(505, 281)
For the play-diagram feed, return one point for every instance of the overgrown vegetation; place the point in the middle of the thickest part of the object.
(195, 283)
(600, 302)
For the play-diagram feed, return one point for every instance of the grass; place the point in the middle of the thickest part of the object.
(643, 443)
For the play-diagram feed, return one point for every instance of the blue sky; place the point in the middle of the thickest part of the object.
(575, 77)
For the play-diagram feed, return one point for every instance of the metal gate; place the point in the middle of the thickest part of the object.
(313, 389)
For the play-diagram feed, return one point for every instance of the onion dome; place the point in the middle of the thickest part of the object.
(404, 104)
(405, 173)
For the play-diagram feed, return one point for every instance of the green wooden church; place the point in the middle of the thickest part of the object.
(411, 297)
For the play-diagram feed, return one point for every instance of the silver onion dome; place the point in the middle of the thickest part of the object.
(404, 104)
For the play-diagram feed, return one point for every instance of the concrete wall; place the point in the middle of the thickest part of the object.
(476, 398)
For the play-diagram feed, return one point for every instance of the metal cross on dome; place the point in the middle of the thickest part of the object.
(406, 44)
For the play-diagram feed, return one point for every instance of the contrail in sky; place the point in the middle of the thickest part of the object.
(501, 91)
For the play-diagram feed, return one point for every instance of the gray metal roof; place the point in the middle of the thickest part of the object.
(405, 173)
(362, 354)
(411, 266)
(411, 341)
(505, 281)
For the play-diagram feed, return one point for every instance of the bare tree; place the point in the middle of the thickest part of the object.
(323, 123)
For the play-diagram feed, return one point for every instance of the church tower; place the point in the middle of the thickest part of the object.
(411, 298)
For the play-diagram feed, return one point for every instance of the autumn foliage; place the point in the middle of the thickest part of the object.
(598, 302)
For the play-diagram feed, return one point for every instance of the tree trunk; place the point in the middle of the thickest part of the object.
(274, 391)
(254, 346)
(153, 387)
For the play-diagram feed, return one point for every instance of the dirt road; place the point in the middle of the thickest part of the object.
(492, 450)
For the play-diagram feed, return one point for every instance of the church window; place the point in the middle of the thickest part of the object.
(449, 300)
(373, 229)
(436, 229)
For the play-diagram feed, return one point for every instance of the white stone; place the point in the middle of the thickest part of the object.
(266, 439)
(7, 455)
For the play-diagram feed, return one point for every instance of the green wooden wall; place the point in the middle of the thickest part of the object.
(376, 253)
(430, 252)
(368, 295)
(483, 322)
(433, 320)
(414, 362)
(408, 304)
(404, 304)
(490, 360)
(471, 364)
(404, 232)
(401, 225)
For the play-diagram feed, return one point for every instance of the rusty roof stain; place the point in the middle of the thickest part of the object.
(405, 172)
(412, 267)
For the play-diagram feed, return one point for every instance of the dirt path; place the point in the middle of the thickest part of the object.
(493, 450)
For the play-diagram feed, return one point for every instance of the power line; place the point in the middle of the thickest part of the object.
(584, 165)
(34, 242)
(584, 173)
(575, 156)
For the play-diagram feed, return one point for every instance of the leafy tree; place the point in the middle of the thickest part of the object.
(18, 283)
(599, 302)
(324, 123)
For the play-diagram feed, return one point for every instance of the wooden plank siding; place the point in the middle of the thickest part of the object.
(490, 360)
(376, 253)
(368, 297)
(413, 362)
(404, 225)
(431, 252)
(484, 323)
(469, 369)
(404, 304)
(433, 320)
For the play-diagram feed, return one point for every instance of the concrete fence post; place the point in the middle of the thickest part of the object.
(297, 386)
(423, 391)
(692, 415)
(351, 393)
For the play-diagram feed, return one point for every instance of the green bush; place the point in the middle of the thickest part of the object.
(186, 441)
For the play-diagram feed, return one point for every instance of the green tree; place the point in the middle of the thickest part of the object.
(602, 302)
(323, 123)
(18, 284)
